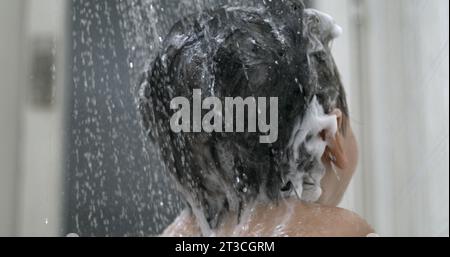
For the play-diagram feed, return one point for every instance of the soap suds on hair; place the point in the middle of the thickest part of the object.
(307, 147)
(280, 50)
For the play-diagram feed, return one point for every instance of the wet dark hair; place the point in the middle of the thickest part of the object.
(276, 50)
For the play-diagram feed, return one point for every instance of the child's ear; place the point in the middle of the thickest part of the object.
(334, 152)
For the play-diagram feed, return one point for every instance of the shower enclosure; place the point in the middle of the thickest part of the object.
(73, 157)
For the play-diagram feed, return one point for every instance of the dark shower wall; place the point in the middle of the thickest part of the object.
(115, 184)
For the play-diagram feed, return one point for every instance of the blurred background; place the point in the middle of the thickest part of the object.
(73, 158)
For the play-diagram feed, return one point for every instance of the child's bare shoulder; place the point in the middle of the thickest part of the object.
(318, 220)
(183, 226)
